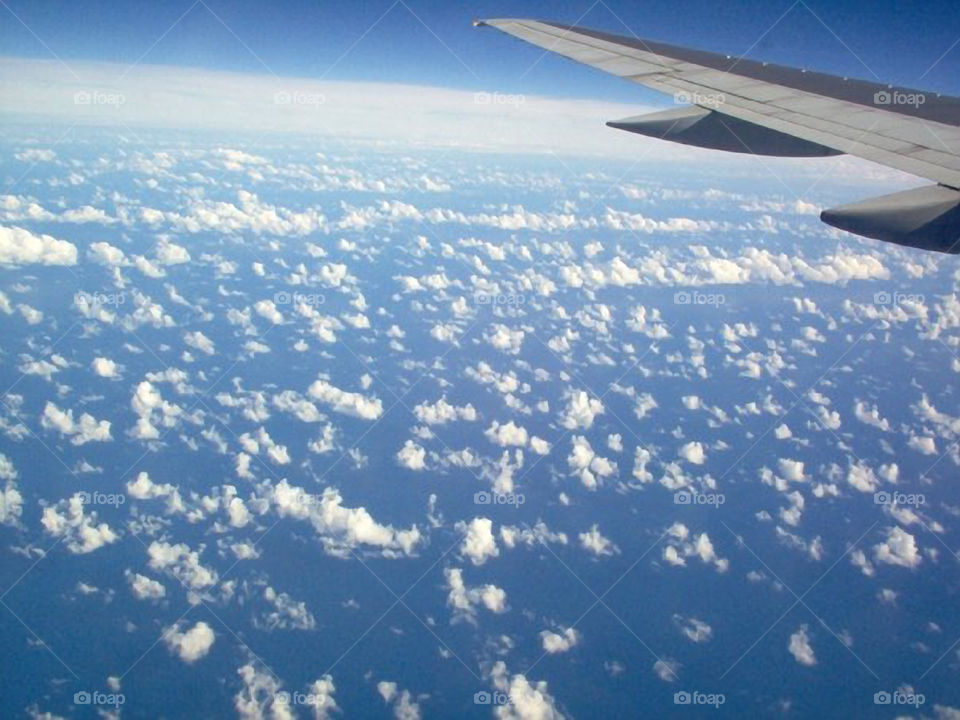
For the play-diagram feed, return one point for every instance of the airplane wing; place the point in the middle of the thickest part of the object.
(741, 105)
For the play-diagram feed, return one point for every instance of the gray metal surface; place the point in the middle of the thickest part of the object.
(848, 116)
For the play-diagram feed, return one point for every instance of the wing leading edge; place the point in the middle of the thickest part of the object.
(747, 106)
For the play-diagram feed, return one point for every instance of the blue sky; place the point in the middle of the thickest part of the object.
(897, 42)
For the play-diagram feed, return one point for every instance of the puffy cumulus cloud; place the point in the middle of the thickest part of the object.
(504, 339)
(249, 213)
(260, 697)
(412, 456)
(442, 412)
(861, 477)
(528, 701)
(104, 253)
(791, 470)
(152, 410)
(465, 600)
(479, 543)
(198, 341)
(267, 309)
(404, 706)
(11, 504)
(143, 488)
(169, 253)
(182, 563)
(105, 367)
(587, 465)
(22, 247)
(69, 520)
(348, 403)
(693, 453)
(287, 613)
(320, 698)
(693, 630)
(512, 535)
(554, 643)
(680, 545)
(507, 435)
(799, 646)
(580, 411)
(86, 429)
(191, 645)
(900, 549)
(144, 588)
(595, 543)
(341, 529)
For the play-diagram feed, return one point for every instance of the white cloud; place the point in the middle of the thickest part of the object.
(86, 429)
(144, 588)
(104, 367)
(464, 600)
(581, 410)
(21, 247)
(348, 403)
(900, 548)
(412, 456)
(199, 341)
(528, 701)
(191, 645)
(68, 519)
(479, 543)
(799, 647)
(507, 435)
(594, 542)
(554, 643)
(692, 452)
